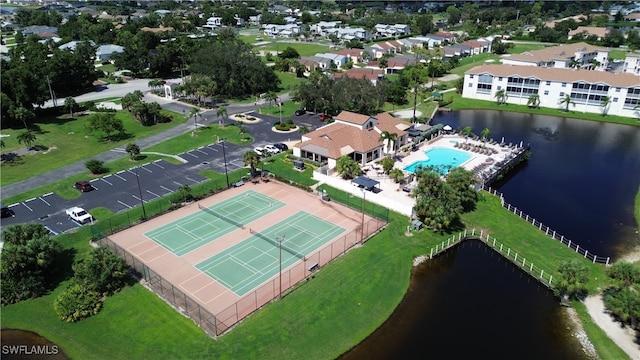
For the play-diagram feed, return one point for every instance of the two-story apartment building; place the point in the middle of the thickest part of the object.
(386, 30)
(287, 31)
(579, 55)
(589, 91)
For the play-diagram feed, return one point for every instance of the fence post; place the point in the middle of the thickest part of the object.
(516, 258)
(531, 268)
(541, 273)
(508, 252)
(585, 253)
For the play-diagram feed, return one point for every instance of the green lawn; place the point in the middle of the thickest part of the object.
(520, 48)
(67, 141)
(340, 306)
(473, 61)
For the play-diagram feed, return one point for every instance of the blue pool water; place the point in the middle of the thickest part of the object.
(442, 159)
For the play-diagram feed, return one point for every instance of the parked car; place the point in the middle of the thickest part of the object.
(271, 149)
(259, 150)
(83, 186)
(324, 117)
(300, 112)
(5, 212)
(80, 215)
(281, 146)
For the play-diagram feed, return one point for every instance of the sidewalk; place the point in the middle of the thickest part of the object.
(116, 153)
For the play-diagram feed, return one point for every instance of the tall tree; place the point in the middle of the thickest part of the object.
(534, 101)
(389, 140)
(23, 114)
(251, 159)
(573, 279)
(194, 113)
(27, 138)
(501, 96)
(222, 112)
(566, 101)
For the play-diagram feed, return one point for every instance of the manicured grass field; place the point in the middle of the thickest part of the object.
(304, 49)
(340, 306)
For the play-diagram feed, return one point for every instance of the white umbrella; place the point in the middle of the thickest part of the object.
(447, 128)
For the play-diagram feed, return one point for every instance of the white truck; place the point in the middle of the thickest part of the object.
(79, 215)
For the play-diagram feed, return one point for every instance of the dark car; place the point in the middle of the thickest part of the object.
(281, 146)
(83, 186)
(5, 212)
(300, 112)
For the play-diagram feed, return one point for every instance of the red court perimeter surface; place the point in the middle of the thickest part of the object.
(181, 271)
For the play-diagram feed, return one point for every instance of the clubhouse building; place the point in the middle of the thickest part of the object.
(590, 91)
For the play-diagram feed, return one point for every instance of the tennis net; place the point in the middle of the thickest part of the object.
(220, 216)
(278, 244)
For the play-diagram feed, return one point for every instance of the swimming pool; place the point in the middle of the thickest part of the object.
(441, 159)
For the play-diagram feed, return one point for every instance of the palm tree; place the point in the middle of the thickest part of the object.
(222, 112)
(534, 101)
(485, 134)
(396, 174)
(155, 84)
(23, 114)
(70, 104)
(194, 113)
(566, 101)
(574, 63)
(501, 96)
(271, 96)
(251, 159)
(27, 138)
(389, 139)
(606, 100)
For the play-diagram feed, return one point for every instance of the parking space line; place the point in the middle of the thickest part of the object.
(169, 190)
(214, 149)
(47, 194)
(154, 194)
(190, 179)
(177, 183)
(44, 201)
(198, 150)
(120, 172)
(189, 153)
(106, 181)
(135, 197)
(12, 205)
(144, 168)
(125, 204)
(27, 206)
(156, 164)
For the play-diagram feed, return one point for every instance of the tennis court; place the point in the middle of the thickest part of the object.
(191, 232)
(255, 260)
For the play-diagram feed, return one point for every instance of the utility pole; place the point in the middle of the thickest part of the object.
(52, 93)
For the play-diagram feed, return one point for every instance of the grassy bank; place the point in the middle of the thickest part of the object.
(340, 306)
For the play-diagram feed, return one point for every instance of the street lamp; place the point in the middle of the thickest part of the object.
(364, 194)
(224, 157)
(144, 212)
(280, 240)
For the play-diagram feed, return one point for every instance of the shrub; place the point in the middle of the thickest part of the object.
(102, 271)
(76, 303)
(96, 166)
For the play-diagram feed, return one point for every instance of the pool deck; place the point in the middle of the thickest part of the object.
(485, 160)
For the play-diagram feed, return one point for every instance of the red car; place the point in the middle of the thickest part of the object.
(324, 117)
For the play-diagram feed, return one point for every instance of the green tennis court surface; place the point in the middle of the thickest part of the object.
(191, 232)
(245, 266)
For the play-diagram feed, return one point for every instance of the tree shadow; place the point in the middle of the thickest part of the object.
(62, 269)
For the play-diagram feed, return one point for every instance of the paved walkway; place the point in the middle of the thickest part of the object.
(118, 152)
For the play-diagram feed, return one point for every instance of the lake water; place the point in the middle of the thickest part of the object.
(581, 181)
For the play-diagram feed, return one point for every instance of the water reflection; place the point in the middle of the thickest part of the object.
(470, 303)
(23, 345)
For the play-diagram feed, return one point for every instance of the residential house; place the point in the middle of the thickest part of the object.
(161, 29)
(317, 61)
(354, 135)
(582, 32)
(287, 31)
(384, 30)
(348, 34)
(477, 47)
(589, 91)
(71, 45)
(373, 75)
(322, 28)
(337, 59)
(581, 55)
(106, 51)
(459, 50)
(397, 63)
(39, 30)
(353, 55)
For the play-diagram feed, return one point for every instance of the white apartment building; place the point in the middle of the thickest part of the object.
(632, 64)
(563, 56)
(586, 88)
